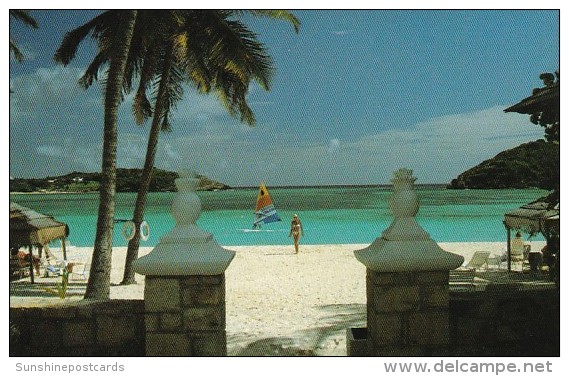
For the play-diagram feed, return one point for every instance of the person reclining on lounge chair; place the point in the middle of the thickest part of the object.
(517, 248)
(24, 259)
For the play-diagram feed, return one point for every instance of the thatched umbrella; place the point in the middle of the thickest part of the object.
(29, 228)
(533, 218)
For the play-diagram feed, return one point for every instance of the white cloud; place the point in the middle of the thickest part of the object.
(437, 149)
(49, 150)
(441, 148)
(333, 145)
(56, 127)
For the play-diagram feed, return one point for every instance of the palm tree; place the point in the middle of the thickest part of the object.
(113, 31)
(21, 15)
(215, 52)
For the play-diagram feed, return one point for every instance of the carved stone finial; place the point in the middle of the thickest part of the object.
(187, 249)
(404, 245)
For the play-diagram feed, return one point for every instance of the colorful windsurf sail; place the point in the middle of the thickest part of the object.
(265, 211)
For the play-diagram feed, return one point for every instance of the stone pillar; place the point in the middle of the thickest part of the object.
(407, 282)
(184, 293)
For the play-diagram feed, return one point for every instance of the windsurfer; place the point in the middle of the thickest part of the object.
(296, 231)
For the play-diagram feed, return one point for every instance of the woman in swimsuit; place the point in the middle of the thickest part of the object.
(295, 231)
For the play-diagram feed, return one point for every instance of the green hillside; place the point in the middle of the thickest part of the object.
(531, 165)
(127, 181)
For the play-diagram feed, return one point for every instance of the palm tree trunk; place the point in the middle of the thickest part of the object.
(138, 214)
(98, 286)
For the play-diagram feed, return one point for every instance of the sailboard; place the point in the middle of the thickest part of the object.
(265, 211)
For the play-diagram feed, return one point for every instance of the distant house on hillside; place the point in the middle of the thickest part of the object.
(78, 180)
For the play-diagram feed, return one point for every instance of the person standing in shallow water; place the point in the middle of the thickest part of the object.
(296, 231)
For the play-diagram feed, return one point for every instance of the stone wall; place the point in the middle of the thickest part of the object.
(407, 313)
(505, 323)
(185, 316)
(83, 328)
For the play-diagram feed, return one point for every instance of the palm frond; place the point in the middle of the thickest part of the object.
(16, 51)
(92, 72)
(233, 41)
(232, 94)
(190, 58)
(141, 107)
(173, 94)
(277, 14)
(24, 16)
(68, 47)
(21, 15)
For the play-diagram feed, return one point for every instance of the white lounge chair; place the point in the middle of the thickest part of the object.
(518, 252)
(479, 259)
(53, 267)
(495, 261)
(78, 269)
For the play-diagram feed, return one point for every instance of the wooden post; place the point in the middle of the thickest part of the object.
(63, 248)
(509, 235)
(31, 255)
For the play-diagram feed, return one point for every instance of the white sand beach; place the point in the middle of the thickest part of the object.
(279, 303)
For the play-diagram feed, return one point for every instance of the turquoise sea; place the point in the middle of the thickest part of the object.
(330, 215)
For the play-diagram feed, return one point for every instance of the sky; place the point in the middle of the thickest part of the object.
(356, 95)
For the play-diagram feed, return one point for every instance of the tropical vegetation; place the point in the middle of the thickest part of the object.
(530, 165)
(22, 16)
(113, 32)
(548, 116)
(213, 50)
(128, 180)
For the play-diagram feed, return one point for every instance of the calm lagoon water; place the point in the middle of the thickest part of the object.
(330, 215)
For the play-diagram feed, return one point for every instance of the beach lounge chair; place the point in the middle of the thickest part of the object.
(78, 269)
(51, 265)
(18, 270)
(479, 259)
(495, 261)
(518, 252)
(461, 279)
(54, 266)
(54, 270)
(20, 263)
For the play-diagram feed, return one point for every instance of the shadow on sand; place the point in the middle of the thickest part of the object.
(24, 288)
(327, 339)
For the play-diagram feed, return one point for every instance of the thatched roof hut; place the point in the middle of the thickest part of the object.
(533, 218)
(29, 228)
(547, 97)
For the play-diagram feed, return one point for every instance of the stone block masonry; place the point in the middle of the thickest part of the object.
(505, 323)
(185, 315)
(84, 328)
(407, 282)
(407, 313)
(185, 284)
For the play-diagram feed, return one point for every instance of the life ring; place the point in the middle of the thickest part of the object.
(144, 230)
(128, 230)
